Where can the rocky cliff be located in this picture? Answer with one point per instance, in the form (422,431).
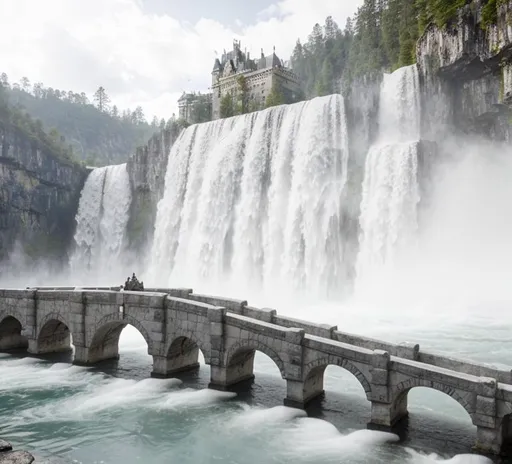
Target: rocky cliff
(39,195)
(147,169)
(467,73)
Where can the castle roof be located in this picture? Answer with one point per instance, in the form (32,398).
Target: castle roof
(217,66)
(269,61)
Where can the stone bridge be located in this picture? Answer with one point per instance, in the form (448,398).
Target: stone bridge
(177,323)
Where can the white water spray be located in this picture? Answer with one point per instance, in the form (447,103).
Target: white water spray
(256,200)
(102,217)
(390,189)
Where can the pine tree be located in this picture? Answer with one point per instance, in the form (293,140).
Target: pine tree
(102,99)
(226,106)
(275,97)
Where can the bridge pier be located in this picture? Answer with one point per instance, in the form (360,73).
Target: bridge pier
(225,377)
(489,440)
(165,367)
(299,394)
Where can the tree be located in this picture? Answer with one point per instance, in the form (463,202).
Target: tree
(138,115)
(38,90)
(4,80)
(102,99)
(154,122)
(83,99)
(162,124)
(227,106)
(243,95)
(25,84)
(115,112)
(275,97)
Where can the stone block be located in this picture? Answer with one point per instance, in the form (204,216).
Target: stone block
(482,420)
(264,314)
(77,297)
(486,406)
(216,329)
(408,351)
(379,376)
(380,393)
(487,387)
(380,359)
(295,336)
(216,314)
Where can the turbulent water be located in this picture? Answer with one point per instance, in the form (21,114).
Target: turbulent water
(102,217)
(391,191)
(254,208)
(257,199)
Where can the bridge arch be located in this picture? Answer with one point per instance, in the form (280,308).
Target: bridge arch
(179,339)
(313,374)
(242,353)
(11,328)
(403,388)
(104,342)
(54,334)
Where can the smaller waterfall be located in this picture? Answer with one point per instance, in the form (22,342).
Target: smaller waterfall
(390,189)
(103,214)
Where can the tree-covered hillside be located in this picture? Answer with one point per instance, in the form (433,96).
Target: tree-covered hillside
(17,119)
(381,36)
(98,132)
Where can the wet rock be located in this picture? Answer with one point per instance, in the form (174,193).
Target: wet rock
(16,457)
(5,446)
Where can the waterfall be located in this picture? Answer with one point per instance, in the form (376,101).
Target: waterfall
(255,201)
(391,193)
(102,217)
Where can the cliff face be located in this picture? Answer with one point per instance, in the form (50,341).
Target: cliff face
(147,169)
(467,65)
(39,196)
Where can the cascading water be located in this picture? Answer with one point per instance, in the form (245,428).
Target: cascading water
(256,200)
(102,217)
(390,189)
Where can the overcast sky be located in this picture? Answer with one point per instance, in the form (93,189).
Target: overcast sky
(147,52)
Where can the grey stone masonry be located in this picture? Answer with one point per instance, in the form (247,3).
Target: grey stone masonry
(178,323)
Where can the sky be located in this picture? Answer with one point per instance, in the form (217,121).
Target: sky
(147,52)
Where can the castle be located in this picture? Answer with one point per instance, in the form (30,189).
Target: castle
(260,74)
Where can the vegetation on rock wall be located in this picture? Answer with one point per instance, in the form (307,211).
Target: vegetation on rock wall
(99,134)
(381,36)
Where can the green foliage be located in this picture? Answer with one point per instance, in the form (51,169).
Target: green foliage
(444,10)
(490,12)
(275,97)
(15,118)
(227,106)
(381,37)
(94,133)
(242,106)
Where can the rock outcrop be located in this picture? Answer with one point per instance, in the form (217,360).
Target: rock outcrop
(147,169)
(8,456)
(467,73)
(39,194)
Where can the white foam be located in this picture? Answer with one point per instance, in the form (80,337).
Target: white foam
(189,398)
(420,458)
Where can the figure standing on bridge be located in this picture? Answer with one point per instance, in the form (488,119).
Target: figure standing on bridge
(133,284)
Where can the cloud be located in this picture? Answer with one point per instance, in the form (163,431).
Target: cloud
(140,58)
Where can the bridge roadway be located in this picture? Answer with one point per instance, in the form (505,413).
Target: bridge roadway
(177,323)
